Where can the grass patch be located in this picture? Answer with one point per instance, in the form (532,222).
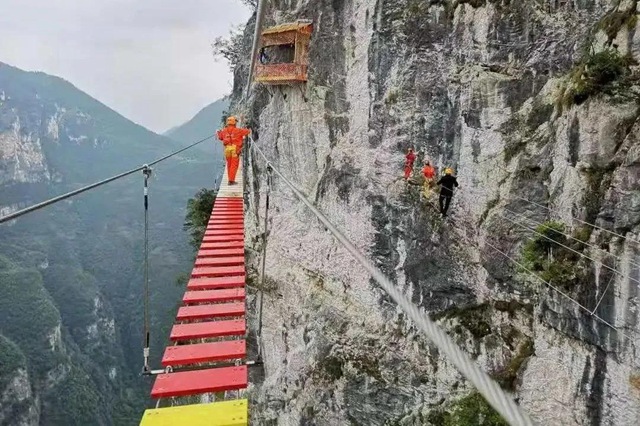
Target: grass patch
(472,410)
(606,72)
(598,180)
(392,97)
(614,21)
(548,254)
(474,319)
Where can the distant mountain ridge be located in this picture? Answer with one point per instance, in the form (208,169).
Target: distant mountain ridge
(203,124)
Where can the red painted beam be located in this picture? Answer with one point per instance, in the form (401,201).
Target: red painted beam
(225,221)
(216,283)
(220,261)
(228,209)
(234,227)
(196,312)
(220,253)
(223,232)
(214,296)
(222,245)
(200,381)
(217,271)
(204,352)
(204,330)
(222,238)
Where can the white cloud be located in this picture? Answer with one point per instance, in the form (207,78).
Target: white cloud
(150,60)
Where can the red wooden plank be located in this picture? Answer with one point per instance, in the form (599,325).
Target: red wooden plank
(221,253)
(228,209)
(226,217)
(238,203)
(220,261)
(217,271)
(203,330)
(208,296)
(225,221)
(232,199)
(222,245)
(233,227)
(204,352)
(218,232)
(223,238)
(200,381)
(215,283)
(195,312)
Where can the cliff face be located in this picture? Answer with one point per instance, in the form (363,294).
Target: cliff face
(499,91)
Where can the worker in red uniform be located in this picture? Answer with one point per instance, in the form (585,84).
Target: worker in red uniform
(410,158)
(232,138)
(429,173)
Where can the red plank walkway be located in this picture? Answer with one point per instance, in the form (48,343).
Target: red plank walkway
(210,325)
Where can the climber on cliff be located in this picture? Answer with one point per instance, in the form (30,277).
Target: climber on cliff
(446,182)
(232,138)
(429,173)
(410,158)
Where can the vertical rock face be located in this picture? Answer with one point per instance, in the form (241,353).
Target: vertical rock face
(481,86)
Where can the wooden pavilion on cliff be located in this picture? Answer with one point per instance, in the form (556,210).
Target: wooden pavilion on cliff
(284,57)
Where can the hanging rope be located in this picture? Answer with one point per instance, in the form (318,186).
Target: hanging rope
(146,171)
(70,194)
(556,289)
(264,259)
(604,265)
(260,11)
(492,392)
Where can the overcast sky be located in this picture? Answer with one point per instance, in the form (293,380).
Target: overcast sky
(150,60)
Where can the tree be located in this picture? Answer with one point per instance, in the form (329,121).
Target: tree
(229,48)
(198,213)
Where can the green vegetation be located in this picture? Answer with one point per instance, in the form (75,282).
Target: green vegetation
(605,72)
(11,359)
(472,410)
(74,401)
(198,213)
(74,292)
(331,367)
(552,262)
(490,205)
(598,181)
(474,319)
(29,328)
(613,22)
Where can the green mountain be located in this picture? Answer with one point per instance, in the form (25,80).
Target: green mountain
(71,280)
(203,124)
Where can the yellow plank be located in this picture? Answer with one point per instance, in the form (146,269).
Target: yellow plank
(294,26)
(226,413)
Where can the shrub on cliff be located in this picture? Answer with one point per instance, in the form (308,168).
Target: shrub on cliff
(603,72)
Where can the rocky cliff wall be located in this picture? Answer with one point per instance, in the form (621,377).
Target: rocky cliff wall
(498,90)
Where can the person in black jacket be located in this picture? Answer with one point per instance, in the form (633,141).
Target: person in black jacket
(446,182)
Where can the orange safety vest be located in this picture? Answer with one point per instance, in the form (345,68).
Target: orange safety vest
(428,172)
(232,135)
